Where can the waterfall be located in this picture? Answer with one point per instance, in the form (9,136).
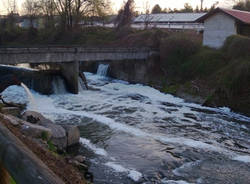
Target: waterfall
(58,85)
(30,96)
(81,85)
(103,69)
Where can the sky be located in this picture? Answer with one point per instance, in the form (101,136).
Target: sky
(140,4)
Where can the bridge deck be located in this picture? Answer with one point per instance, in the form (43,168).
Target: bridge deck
(60,55)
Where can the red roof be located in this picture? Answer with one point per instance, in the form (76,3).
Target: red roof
(242,16)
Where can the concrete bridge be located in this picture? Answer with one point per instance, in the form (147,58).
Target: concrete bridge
(63,55)
(68,58)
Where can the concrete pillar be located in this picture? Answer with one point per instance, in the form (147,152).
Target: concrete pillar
(70,73)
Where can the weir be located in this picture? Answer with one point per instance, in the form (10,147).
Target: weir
(68,58)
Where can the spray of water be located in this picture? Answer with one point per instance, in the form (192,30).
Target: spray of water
(30,96)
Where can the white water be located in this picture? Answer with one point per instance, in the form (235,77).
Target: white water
(132,124)
(102,69)
(58,85)
(32,102)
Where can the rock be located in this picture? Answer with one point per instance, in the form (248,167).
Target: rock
(59,138)
(15,111)
(73,134)
(35,131)
(80,158)
(78,164)
(33,117)
(10,119)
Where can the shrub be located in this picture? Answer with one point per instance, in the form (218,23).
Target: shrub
(175,51)
(237,46)
(236,76)
(206,62)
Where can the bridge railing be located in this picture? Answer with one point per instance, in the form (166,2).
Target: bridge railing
(72,50)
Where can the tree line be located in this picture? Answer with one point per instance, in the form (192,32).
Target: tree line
(68,15)
(64,13)
(238,4)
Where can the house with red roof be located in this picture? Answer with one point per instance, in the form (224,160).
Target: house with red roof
(222,23)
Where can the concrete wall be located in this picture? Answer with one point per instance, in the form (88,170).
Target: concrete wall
(70,73)
(217,28)
(21,163)
(147,72)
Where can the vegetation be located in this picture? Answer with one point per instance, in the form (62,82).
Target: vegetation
(156,9)
(242,5)
(125,15)
(45,136)
(224,73)
(51,147)
(12,181)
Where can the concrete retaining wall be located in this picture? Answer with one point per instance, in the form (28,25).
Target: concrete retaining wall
(21,163)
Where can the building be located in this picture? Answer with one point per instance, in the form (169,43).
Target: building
(26,23)
(222,23)
(170,21)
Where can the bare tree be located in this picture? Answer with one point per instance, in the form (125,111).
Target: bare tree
(72,11)
(11,6)
(147,16)
(125,15)
(31,9)
(48,10)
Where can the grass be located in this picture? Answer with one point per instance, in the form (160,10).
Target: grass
(51,146)
(12,181)
(172,89)
(44,136)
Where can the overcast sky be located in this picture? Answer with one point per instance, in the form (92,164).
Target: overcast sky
(140,4)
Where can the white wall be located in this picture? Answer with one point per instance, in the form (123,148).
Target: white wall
(217,28)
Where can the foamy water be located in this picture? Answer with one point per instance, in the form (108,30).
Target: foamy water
(136,133)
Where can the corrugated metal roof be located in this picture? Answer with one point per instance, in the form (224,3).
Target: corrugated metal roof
(243,16)
(169,17)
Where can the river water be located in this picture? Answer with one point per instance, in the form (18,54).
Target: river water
(132,133)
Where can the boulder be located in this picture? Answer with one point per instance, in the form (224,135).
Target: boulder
(33,117)
(73,134)
(35,131)
(59,138)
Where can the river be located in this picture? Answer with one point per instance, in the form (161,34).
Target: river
(132,133)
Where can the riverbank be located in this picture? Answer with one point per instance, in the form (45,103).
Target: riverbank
(36,138)
(220,77)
